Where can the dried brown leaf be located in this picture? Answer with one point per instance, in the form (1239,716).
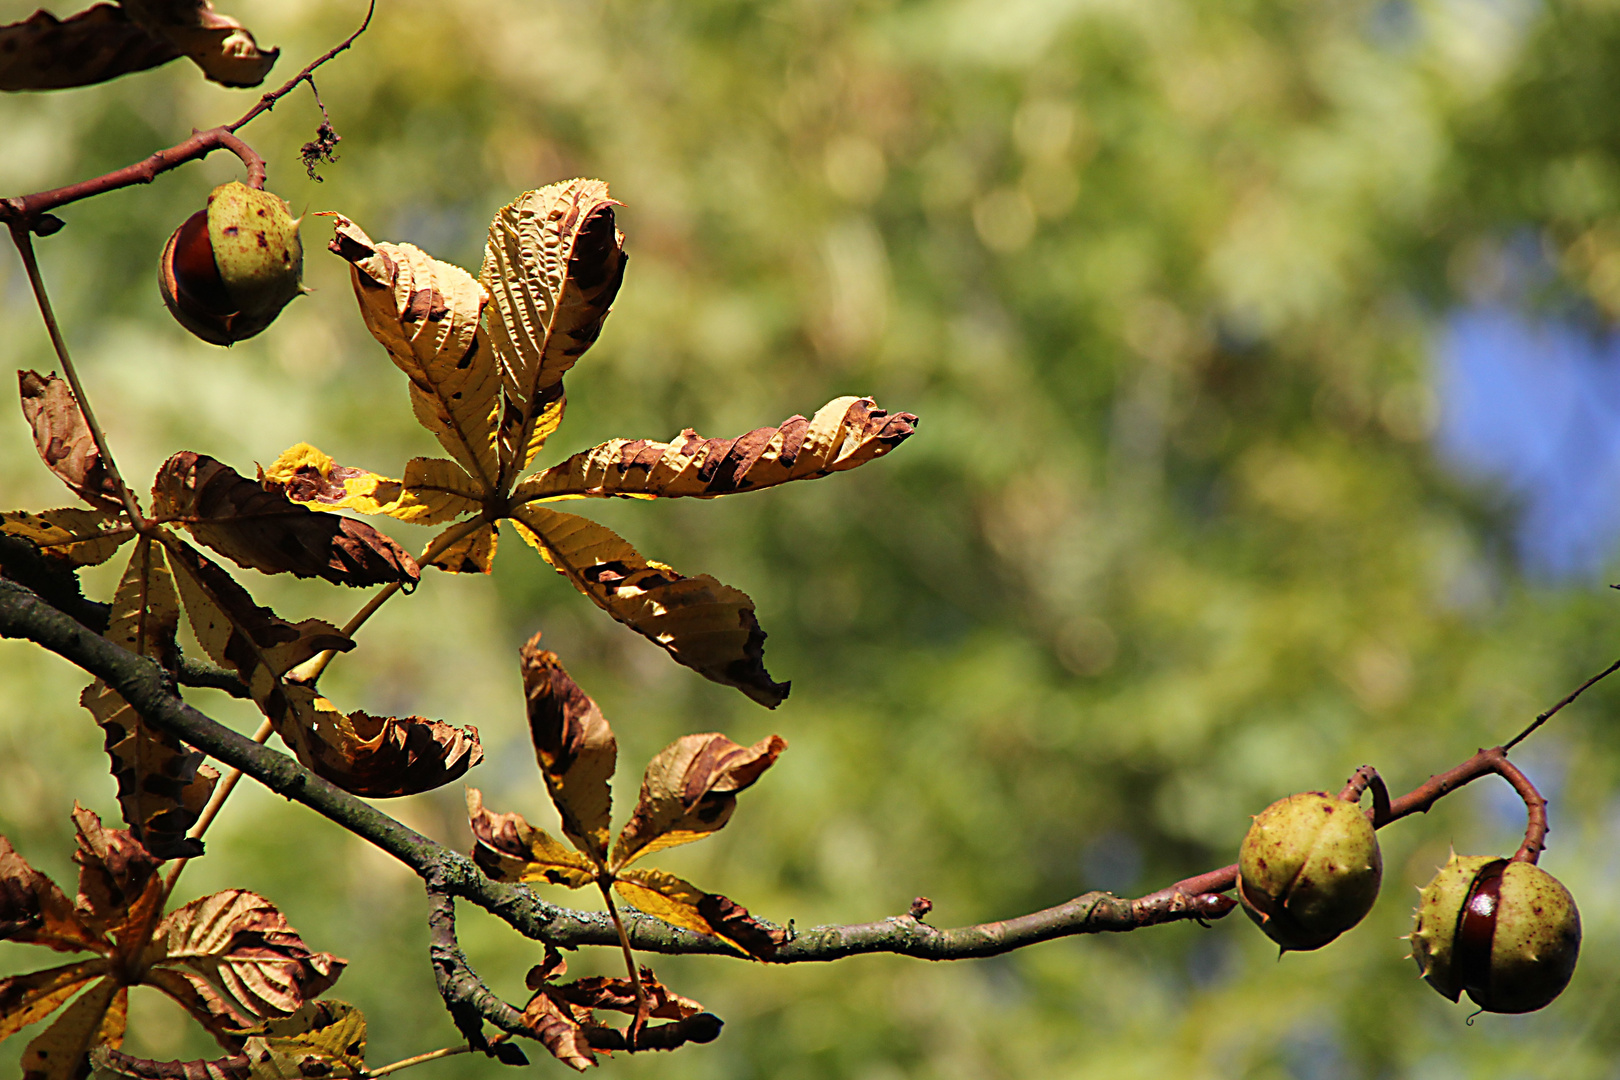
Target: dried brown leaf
(601,992)
(74,536)
(97,1018)
(844,434)
(690,790)
(434,490)
(119,883)
(427,313)
(162,785)
(239,943)
(554,1025)
(63,439)
(553,265)
(707,626)
(510,849)
(222,47)
(102,42)
(27,999)
(34,911)
(252,641)
(574,747)
(375,756)
(109,1064)
(265,530)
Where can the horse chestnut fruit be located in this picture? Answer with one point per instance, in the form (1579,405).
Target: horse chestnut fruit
(227,272)
(1506,932)
(1309,869)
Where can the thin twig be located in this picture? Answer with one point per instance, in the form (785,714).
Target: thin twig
(25,248)
(629,961)
(268,101)
(431,1055)
(1571,696)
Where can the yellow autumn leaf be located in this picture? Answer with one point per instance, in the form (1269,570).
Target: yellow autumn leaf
(510,849)
(690,790)
(77,537)
(427,313)
(434,490)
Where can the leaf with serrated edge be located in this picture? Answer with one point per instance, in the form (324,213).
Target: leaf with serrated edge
(844,434)
(63,439)
(34,911)
(473,553)
(690,790)
(265,530)
(510,849)
(375,756)
(707,626)
(76,537)
(27,999)
(554,1026)
(426,314)
(317,1040)
(240,943)
(574,747)
(119,883)
(434,490)
(553,265)
(250,640)
(97,1018)
(162,785)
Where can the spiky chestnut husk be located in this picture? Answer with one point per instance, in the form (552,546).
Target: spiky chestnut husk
(1309,869)
(227,272)
(1508,933)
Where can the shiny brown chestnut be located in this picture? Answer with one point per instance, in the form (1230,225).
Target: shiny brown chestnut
(229,269)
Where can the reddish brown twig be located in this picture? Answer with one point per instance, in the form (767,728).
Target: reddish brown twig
(1571,696)
(1362,779)
(27,210)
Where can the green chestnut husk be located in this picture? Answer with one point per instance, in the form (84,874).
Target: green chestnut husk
(1506,933)
(1309,869)
(229,269)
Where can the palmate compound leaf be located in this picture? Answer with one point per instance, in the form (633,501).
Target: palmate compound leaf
(73,536)
(62,437)
(162,785)
(427,313)
(265,530)
(553,264)
(322,1039)
(367,755)
(574,747)
(230,959)
(707,626)
(844,434)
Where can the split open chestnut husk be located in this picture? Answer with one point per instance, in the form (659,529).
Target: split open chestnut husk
(230,268)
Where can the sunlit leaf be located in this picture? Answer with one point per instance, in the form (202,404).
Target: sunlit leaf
(97,1018)
(553,264)
(27,999)
(434,490)
(162,785)
(240,944)
(76,537)
(703,624)
(574,747)
(63,439)
(472,553)
(426,314)
(845,433)
(510,849)
(267,531)
(690,790)
(554,1025)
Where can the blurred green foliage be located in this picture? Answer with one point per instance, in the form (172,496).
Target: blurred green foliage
(1160,277)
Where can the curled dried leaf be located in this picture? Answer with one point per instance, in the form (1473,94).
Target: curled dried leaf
(119,883)
(265,530)
(707,626)
(510,849)
(62,437)
(574,746)
(617,994)
(99,43)
(222,47)
(844,434)
(556,1027)
(34,911)
(690,790)
(375,756)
